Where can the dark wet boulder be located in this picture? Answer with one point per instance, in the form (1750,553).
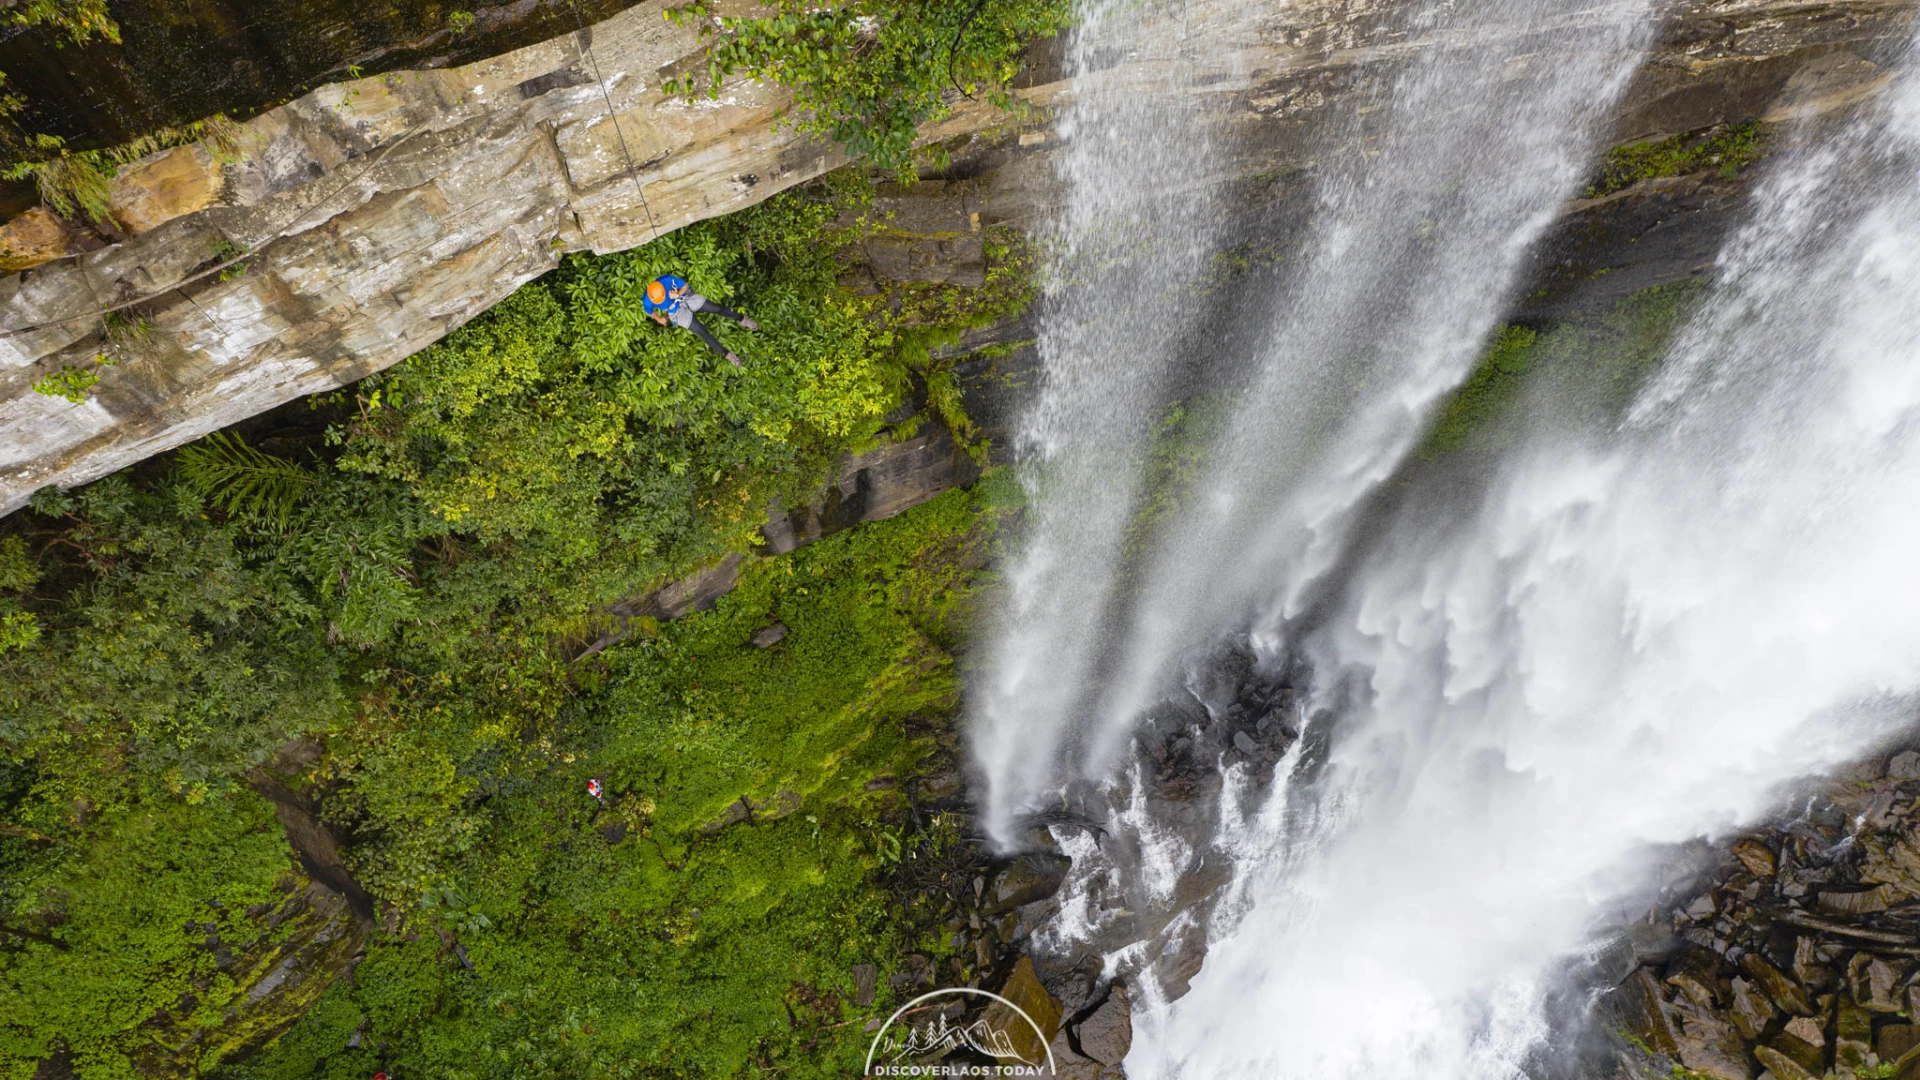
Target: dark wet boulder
(1784,992)
(1029,877)
(1782,1066)
(1107,1033)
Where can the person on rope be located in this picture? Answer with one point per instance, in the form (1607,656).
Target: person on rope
(671,299)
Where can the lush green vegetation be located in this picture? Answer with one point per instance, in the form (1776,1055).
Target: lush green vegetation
(406,594)
(1595,363)
(868,73)
(1730,149)
(78,184)
(1492,385)
(74,22)
(138,894)
(69,382)
(684,950)
(78,20)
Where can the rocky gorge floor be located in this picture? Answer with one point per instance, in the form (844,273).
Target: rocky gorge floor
(1787,952)
(1793,955)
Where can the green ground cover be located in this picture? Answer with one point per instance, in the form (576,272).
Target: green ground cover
(683,950)
(407,594)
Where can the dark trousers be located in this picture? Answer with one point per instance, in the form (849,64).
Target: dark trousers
(706,335)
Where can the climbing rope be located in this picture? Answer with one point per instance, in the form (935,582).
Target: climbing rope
(633,170)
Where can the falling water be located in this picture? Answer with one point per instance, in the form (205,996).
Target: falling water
(1138,216)
(1607,642)
(1628,640)
(1425,212)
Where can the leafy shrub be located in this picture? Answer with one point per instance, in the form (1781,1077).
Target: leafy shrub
(867,74)
(683,949)
(69,382)
(411,606)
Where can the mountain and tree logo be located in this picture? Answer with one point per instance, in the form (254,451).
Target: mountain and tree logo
(992,1045)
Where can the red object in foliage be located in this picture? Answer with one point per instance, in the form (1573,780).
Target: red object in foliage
(593,789)
(381,1075)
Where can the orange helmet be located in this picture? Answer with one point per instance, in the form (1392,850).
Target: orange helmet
(656,292)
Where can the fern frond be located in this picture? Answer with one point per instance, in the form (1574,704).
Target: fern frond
(243,481)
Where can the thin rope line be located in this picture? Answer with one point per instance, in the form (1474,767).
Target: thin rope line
(633,170)
(211,321)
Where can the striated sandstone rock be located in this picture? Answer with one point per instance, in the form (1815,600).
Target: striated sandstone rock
(376,216)
(38,236)
(157,189)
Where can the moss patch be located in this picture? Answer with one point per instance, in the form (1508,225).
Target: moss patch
(1730,149)
(1598,362)
(1495,381)
(1181,444)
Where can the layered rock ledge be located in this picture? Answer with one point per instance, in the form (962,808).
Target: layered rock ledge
(365,221)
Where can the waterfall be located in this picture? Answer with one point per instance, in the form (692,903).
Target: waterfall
(1607,639)
(1138,163)
(1425,211)
(1625,639)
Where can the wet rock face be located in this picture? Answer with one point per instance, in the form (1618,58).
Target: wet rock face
(1794,953)
(1107,1032)
(181,60)
(1146,874)
(1028,878)
(1238,716)
(1037,1009)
